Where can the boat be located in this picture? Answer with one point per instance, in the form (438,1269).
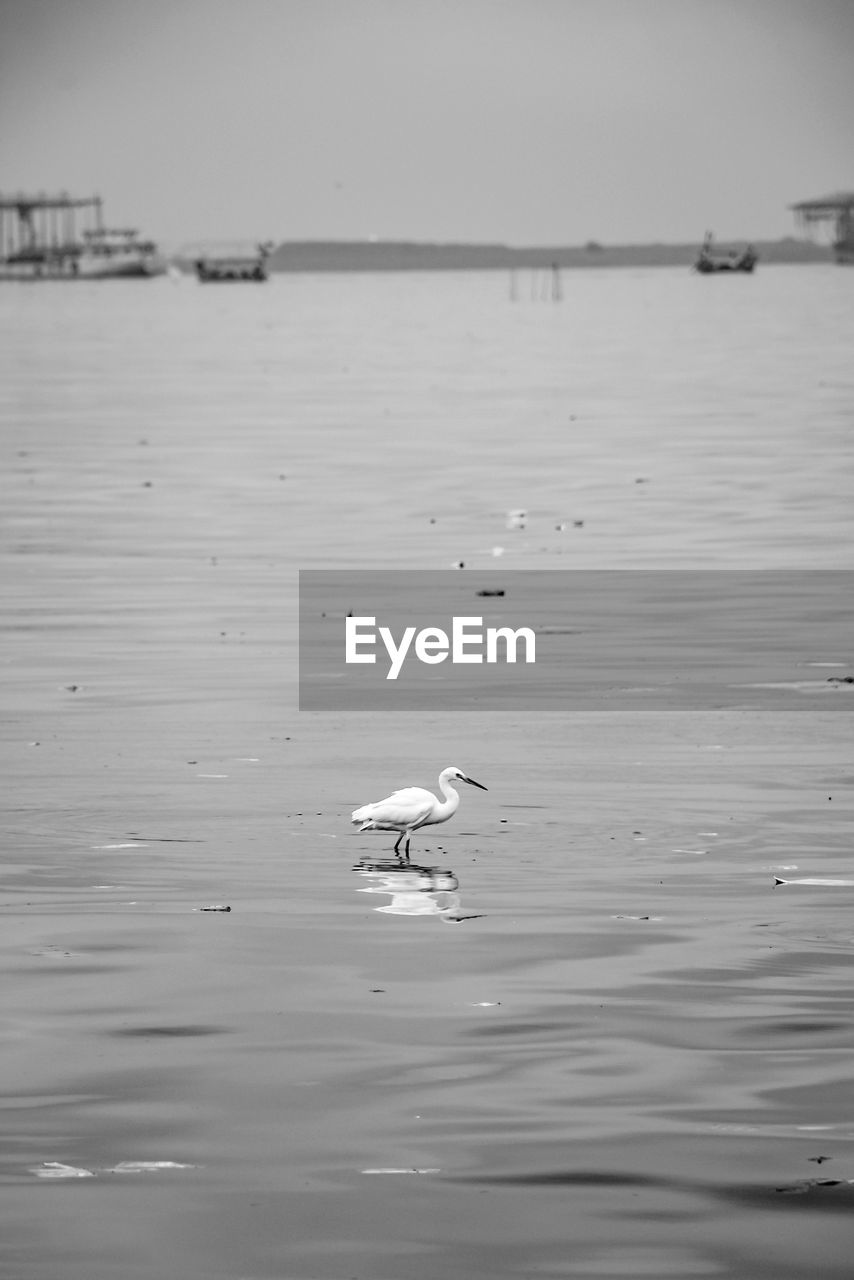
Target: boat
(40,240)
(118,253)
(837,211)
(709,261)
(219,268)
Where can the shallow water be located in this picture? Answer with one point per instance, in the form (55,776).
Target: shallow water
(583,1034)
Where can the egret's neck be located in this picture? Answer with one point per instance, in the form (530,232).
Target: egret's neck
(452,797)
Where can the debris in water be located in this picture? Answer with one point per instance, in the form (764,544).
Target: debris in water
(811,880)
(516,518)
(813,1184)
(489,592)
(145,1166)
(216,907)
(54,1169)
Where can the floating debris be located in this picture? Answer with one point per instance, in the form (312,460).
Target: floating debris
(216,907)
(489,592)
(164,839)
(54,1169)
(516,518)
(145,1166)
(813,1184)
(811,880)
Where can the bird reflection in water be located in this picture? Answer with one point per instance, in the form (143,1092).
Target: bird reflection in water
(415,890)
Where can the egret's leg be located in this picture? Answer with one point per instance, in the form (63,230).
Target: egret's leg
(408,838)
(397,842)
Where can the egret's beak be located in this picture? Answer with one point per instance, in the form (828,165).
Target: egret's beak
(472,783)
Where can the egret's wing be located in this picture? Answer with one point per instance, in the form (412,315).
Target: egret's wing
(406,808)
(366,812)
(410,795)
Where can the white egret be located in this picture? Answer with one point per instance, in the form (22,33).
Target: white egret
(413,807)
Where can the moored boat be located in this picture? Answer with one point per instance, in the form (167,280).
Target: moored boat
(113,254)
(709,261)
(220,268)
(39,240)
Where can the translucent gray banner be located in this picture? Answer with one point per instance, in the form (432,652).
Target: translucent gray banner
(575,640)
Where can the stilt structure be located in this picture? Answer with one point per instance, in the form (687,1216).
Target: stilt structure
(835,211)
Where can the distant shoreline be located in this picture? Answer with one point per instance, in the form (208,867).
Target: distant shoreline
(368,255)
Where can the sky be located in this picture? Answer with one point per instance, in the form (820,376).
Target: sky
(528,122)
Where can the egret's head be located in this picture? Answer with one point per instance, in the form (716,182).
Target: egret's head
(463,777)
